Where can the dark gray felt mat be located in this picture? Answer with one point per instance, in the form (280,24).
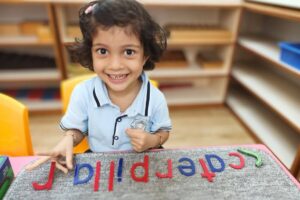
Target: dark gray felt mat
(267,182)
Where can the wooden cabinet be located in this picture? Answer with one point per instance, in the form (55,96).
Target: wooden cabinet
(204,32)
(30,66)
(265,93)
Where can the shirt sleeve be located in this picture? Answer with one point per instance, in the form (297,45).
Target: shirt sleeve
(76,116)
(160,117)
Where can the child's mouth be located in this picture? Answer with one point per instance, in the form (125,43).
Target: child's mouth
(117,77)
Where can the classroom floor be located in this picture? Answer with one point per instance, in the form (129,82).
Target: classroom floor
(208,126)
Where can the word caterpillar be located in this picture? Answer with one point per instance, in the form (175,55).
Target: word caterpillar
(186,167)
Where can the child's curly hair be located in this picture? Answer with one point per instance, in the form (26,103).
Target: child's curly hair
(122,13)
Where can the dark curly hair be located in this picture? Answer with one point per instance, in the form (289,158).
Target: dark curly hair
(122,13)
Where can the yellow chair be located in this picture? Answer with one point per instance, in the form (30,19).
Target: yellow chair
(15,137)
(66,88)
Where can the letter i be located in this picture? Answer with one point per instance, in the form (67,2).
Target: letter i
(111,176)
(97,176)
(120,168)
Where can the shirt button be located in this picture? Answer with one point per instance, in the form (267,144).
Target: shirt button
(116,137)
(119,119)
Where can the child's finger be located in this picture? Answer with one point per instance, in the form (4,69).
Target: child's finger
(61,168)
(132,133)
(69,158)
(48,153)
(37,163)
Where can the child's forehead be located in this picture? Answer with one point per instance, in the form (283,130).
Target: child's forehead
(117,30)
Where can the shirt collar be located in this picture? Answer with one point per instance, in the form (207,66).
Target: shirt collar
(137,107)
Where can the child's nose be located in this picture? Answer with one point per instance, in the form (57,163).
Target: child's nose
(116,63)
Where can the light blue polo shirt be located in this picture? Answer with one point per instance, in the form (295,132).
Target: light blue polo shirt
(91,111)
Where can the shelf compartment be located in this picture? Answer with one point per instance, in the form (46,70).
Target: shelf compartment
(276,92)
(29,75)
(267,49)
(183,34)
(38,99)
(273,132)
(202,91)
(189,72)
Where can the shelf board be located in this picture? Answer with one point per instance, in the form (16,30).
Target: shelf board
(192,96)
(281,96)
(185,72)
(29,75)
(267,49)
(281,12)
(199,41)
(24,41)
(292,4)
(279,137)
(181,42)
(170,3)
(42,105)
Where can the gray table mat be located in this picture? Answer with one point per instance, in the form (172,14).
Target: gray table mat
(267,182)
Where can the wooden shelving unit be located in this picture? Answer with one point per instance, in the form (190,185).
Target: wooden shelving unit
(269,129)
(28,29)
(204,13)
(265,95)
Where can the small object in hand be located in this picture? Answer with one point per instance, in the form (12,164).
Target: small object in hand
(256,155)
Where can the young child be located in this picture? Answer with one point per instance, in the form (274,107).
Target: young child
(118,109)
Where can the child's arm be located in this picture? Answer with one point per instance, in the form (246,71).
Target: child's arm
(62,153)
(142,141)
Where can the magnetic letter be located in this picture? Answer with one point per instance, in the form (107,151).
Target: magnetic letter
(191,167)
(97,176)
(206,173)
(144,165)
(111,176)
(120,168)
(242,161)
(78,167)
(212,168)
(167,175)
(48,185)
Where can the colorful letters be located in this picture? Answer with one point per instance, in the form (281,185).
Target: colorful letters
(186,167)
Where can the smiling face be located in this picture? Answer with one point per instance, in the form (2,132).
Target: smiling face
(118,59)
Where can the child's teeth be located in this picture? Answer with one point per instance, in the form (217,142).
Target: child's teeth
(117,76)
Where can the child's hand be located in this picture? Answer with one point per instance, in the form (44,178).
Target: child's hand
(142,140)
(62,154)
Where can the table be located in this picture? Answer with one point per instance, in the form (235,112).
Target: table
(207,172)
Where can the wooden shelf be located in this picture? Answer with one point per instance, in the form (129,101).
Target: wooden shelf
(279,94)
(23,41)
(201,91)
(275,11)
(195,42)
(46,106)
(192,96)
(29,75)
(291,4)
(279,137)
(187,72)
(165,3)
(267,49)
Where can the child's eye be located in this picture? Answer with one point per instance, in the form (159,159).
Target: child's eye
(102,51)
(129,52)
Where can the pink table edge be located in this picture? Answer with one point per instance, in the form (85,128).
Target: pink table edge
(18,163)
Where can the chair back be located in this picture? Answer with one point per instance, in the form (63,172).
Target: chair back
(15,139)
